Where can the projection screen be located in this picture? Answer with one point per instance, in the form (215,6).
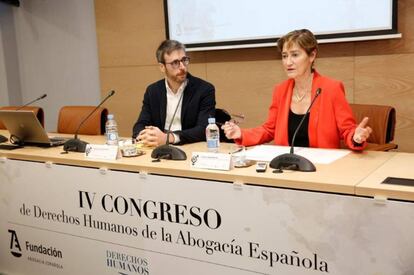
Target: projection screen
(218,24)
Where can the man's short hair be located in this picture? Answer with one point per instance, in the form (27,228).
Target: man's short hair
(167,47)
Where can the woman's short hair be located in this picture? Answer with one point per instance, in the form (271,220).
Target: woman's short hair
(167,47)
(303,38)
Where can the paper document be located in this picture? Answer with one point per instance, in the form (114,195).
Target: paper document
(265,152)
(315,155)
(323,156)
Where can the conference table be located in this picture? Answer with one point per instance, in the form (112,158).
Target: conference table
(65,213)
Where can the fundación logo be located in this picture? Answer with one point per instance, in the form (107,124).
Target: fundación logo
(16,251)
(15,248)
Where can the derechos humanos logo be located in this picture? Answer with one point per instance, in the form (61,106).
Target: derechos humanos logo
(127,263)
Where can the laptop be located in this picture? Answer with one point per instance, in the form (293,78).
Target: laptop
(25,129)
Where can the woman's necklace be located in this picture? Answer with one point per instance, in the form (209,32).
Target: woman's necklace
(297,96)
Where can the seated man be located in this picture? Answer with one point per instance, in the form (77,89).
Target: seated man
(180,101)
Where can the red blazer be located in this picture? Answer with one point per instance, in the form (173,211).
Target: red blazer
(330,118)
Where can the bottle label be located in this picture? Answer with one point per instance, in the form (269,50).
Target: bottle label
(213,143)
(112,136)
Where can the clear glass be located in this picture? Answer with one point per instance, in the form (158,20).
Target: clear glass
(130,148)
(238,155)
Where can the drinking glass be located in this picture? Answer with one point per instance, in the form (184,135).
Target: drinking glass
(238,155)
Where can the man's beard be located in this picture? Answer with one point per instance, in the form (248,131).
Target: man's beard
(179,77)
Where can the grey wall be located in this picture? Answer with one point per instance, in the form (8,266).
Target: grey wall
(10,91)
(49,46)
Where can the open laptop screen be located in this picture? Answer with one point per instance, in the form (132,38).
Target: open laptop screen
(25,128)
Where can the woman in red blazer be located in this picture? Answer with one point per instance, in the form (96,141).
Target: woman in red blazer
(330,119)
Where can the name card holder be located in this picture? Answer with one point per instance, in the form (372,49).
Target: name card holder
(215,161)
(99,151)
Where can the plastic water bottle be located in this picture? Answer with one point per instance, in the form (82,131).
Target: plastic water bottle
(111,130)
(212,135)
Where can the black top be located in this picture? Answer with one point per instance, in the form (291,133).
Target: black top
(197,106)
(302,137)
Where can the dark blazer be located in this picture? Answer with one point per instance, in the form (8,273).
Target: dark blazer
(197,106)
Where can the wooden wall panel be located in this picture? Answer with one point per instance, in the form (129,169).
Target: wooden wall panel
(388,80)
(339,68)
(129,31)
(238,91)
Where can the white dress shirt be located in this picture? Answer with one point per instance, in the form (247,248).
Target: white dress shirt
(172,101)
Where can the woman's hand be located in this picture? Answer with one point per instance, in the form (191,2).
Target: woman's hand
(231,130)
(362,132)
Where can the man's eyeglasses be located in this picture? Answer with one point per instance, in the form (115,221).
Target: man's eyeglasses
(176,63)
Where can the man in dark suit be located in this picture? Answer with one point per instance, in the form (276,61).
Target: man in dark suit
(191,99)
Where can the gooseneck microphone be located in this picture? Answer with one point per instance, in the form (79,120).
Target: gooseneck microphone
(3,138)
(291,161)
(167,151)
(75,144)
(37,99)
(318,92)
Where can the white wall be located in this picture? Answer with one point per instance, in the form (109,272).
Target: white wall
(55,53)
(10,92)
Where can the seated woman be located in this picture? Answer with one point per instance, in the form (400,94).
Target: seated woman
(330,119)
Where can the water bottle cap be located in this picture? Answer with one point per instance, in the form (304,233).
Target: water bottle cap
(211,120)
(110,116)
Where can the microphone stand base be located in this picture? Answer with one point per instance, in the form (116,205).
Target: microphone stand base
(292,162)
(75,145)
(3,139)
(168,152)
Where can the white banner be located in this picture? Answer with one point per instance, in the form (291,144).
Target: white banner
(69,220)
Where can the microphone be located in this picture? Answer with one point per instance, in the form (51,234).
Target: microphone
(37,99)
(3,138)
(291,161)
(75,144)
(167,151)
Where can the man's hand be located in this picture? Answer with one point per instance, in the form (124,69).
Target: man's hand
(152,136)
